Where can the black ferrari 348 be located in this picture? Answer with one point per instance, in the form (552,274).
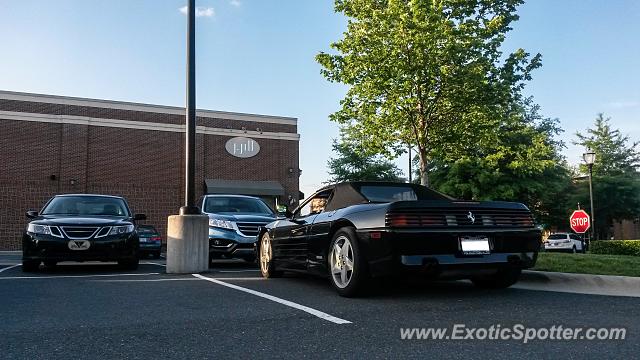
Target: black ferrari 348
(356,231)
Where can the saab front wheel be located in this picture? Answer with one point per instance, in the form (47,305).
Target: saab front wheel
(30,265)
(129,264)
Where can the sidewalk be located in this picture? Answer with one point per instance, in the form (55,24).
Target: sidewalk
(607,285)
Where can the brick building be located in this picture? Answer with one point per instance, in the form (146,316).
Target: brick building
(51,145)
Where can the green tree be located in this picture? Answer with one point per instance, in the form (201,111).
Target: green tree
(522,162)
(353,164)
(425,73)
(614,154)
(616,180)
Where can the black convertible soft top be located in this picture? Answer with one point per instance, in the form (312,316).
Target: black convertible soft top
(348,193)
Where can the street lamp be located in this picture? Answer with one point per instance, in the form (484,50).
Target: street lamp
(589,158)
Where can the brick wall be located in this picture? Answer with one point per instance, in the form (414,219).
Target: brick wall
(39,160)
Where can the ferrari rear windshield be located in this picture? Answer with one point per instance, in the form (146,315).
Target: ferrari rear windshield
(375,193)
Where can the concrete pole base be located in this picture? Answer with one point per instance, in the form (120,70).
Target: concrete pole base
(187,244)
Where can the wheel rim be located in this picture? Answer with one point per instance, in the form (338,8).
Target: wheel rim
(265,253)
(341,261)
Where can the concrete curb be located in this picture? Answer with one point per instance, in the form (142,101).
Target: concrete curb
(607,285)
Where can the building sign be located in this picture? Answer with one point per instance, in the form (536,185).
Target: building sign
(242,147)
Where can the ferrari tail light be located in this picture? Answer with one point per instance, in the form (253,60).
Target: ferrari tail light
(415,220)
(398,220)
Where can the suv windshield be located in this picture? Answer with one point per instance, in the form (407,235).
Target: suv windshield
(86,205)
(557,237)
(232,204)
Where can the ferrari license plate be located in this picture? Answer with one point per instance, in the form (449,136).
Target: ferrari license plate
(475,245)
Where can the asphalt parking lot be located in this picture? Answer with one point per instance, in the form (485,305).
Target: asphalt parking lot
(91,309)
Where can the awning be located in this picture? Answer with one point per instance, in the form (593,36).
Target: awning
(244,187)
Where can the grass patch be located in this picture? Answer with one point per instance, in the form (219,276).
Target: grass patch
(589,264)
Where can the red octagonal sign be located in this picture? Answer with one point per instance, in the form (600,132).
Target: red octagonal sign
(580,221)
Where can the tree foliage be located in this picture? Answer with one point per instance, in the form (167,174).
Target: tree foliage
(522,162)
(354,164)
(616,180)
(613,152)
(426,73)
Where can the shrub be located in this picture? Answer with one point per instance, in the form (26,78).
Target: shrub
(616,247)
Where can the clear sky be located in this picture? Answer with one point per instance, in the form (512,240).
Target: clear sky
(257,56)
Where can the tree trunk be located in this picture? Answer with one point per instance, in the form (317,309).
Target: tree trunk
(424,174)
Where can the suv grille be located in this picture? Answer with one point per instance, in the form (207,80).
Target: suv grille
(79,232)
(250,228)
(459,218)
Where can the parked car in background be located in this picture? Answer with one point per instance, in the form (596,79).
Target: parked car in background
(81,227)
(150,241)
(234,223)
(353,231)
(566,242)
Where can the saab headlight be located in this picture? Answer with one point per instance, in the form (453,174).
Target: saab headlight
(119,230)
(223,224)
(44,230)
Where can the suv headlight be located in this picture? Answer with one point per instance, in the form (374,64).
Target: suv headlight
(224,224)
(44,230)
(119,230)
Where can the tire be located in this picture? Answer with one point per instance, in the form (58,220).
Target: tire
(156,255)
(267,265)
(129,264)
(30,265)
(50,264)
(574,249)
(500,280)
(348,271)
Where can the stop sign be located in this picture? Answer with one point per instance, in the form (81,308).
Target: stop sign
(580,221)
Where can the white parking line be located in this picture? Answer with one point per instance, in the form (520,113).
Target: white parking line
(148,280)
(10,267)
(153,263)
(73,276)
(183,279)
(314,312)
(236,271)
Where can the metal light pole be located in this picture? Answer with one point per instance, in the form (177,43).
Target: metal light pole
(589,158)
(187,233)
(190,135)
(410,164)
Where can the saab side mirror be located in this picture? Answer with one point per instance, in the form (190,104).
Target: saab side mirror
(139,217)
(32,214)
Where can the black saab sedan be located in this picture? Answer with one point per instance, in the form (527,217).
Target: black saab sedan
(81,227)
(355,231)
